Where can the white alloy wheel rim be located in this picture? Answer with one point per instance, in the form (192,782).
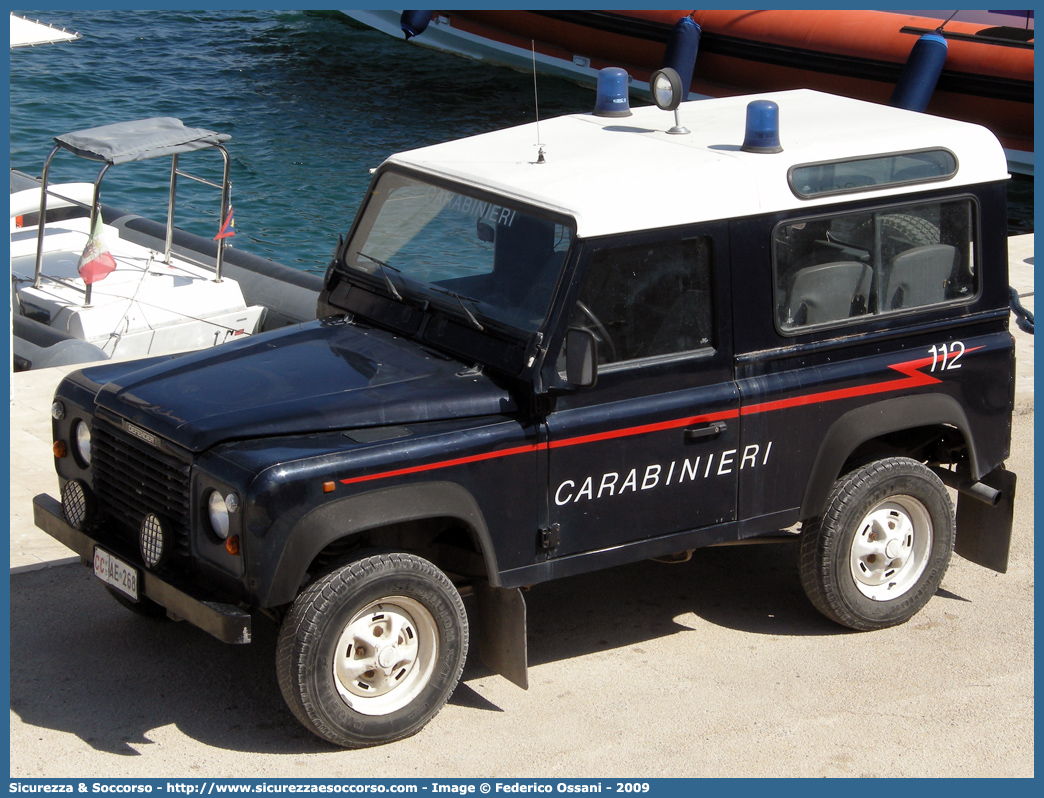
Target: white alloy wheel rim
(891,547)
(385,655)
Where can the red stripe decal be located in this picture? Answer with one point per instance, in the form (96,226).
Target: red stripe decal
(911,368)
(914,378)
(475,458)
(626,432)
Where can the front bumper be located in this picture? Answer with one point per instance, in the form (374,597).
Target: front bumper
(226,622)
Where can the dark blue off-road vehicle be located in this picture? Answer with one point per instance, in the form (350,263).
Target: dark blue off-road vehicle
(535,361)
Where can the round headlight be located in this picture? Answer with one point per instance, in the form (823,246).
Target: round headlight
(217,510)
(81,434)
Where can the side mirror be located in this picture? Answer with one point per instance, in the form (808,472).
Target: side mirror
(581,358)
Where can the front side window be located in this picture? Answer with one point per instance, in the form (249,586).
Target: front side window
(846,267)
(450,246)
(647,300)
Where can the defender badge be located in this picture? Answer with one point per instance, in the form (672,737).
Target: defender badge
(140,434)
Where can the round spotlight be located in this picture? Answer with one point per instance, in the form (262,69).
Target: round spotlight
(666,88)
(57,411)
(78,505)
(153,540)
(81,434)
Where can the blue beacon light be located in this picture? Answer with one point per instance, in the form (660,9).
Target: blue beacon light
(611,97)
(762,133)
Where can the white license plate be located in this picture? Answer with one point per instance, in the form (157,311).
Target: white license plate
(114,571)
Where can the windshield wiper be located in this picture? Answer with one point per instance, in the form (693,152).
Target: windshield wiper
(460,301)
(387,280)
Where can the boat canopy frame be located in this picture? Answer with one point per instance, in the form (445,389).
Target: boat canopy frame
(127,142)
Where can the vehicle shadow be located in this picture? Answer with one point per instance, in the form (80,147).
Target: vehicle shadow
(82,664)
(753,589)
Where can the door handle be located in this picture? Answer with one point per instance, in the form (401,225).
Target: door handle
(694,434)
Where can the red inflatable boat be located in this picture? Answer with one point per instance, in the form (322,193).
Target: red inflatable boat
(987,75)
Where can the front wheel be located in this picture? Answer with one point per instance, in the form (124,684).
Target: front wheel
(369,653)
(879,551)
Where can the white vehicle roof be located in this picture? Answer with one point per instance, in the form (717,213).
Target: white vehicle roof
(617,175)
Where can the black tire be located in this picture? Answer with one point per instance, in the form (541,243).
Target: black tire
(899,232)
(880,549)
(916,231)
(329,651)
(147,608)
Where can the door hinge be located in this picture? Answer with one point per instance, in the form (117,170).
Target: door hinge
(550,538)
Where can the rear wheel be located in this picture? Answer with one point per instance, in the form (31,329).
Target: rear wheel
(879,551)
(369,653)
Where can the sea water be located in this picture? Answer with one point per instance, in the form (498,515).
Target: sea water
(312,101)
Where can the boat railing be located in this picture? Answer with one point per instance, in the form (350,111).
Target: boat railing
(225,188)
(138,141)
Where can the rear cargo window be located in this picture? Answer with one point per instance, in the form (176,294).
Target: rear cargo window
(846,267)
(861,174)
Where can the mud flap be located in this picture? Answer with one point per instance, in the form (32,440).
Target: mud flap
(984,531)
(502,632)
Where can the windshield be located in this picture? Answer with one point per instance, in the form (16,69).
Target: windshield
(482,258)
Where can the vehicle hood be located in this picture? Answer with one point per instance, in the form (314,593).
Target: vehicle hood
(314,377)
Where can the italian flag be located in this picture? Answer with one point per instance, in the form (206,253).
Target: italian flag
(96,262)
(228,228)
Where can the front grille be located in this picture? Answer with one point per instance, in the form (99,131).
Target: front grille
(133,478)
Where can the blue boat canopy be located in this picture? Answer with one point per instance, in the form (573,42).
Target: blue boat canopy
(139,140)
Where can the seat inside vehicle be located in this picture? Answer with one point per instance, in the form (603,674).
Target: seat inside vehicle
(919,276)
(828,292)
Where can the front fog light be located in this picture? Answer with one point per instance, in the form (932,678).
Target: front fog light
(82,441)
(78,504)
(218,509)
(153,540)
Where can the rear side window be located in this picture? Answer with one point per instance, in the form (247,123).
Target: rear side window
(847,267)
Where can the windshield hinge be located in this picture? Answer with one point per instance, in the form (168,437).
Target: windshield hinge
(541,405)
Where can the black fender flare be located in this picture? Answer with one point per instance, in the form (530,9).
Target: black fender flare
(865,423)
(359,513)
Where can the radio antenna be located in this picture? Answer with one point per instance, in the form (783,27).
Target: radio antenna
(536,104)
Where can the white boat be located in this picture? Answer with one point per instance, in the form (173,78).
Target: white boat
(30,33)
(158,297)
